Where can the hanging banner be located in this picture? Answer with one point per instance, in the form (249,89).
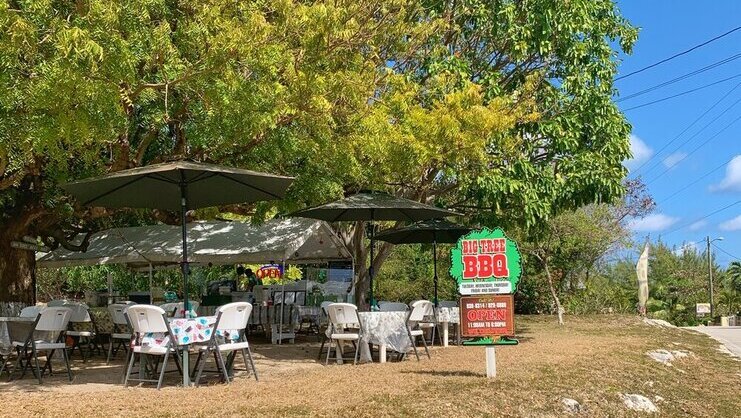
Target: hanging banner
(487,316)
(486,262)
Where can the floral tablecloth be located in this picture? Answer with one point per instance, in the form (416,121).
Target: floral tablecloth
(186,330)
(449,315)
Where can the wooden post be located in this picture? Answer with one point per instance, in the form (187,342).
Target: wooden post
(491,362)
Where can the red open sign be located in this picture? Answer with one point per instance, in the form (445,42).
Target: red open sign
(487,316)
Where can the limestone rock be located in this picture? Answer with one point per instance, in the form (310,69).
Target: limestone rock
(571,405)
(638,403)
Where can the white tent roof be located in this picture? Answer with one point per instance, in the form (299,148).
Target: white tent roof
(294,240)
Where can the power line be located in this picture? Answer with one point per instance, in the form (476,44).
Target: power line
(678,54)
(704,217)
(680,78)
(666,199)
(698,147)
(689,127)
(725,252)
(682,93)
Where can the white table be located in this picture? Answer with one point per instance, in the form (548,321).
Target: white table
(387,330)
(446,316)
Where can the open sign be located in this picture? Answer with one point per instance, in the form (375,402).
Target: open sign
(270,271)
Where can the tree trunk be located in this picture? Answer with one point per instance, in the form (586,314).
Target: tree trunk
(17,273)
(559,308)
(360,251)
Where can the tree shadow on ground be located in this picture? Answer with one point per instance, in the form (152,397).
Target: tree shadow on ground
(444,373)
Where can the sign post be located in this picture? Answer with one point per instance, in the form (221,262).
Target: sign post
(486,264)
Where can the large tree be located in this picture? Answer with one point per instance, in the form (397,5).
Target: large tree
(501,105)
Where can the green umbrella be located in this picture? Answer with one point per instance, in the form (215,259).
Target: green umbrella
(431,231)
(374,206)
(179,186)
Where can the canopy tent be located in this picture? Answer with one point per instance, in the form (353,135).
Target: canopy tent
(292,240)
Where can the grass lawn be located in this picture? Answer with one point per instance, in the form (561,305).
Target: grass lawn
(591,359)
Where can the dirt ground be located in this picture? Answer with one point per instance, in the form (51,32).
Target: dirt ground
(591,359)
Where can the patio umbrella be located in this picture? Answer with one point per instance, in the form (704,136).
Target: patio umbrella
(179,186)
(431,231)
(374,206)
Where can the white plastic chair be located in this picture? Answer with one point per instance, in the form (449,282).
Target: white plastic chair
(81,315)
(420,310)
(145,319)
(429,321)
(344,325)
(231,322)
(323,325)
(121,333)
(53,322)
(392,307)
(30,312)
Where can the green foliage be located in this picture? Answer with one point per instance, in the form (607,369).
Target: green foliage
(407,275)
(502,109)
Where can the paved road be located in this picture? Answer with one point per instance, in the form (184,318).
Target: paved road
(728,336)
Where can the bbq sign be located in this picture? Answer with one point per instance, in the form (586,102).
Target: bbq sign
(486,262)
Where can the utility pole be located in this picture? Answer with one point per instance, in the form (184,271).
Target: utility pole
(710,277)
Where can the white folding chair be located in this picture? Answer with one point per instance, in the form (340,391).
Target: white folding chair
(121,333)
(52,323)
(30,312)
(344,325)
(323,325)
(87,332)
(146,319)
(420,310)
(429,322)
(228,336)
(392,307)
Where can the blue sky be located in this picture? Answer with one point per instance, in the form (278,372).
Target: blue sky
(669,27)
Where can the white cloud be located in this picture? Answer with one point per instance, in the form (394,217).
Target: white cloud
(698,225)
(674,159)
(732,180)
(641,153)
(731,224)
(687,247)
(652,223)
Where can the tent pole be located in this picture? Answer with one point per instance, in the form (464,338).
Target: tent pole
(151,296)
(434,262)
(370,267)
(282,302)
(184,265)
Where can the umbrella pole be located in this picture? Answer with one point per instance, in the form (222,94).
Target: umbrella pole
(434,263)
(184,267)
(370,267)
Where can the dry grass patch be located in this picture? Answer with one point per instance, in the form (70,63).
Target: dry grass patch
(590,359)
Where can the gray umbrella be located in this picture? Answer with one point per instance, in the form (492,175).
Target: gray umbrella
(374,206)
(432,231)
(179,186)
